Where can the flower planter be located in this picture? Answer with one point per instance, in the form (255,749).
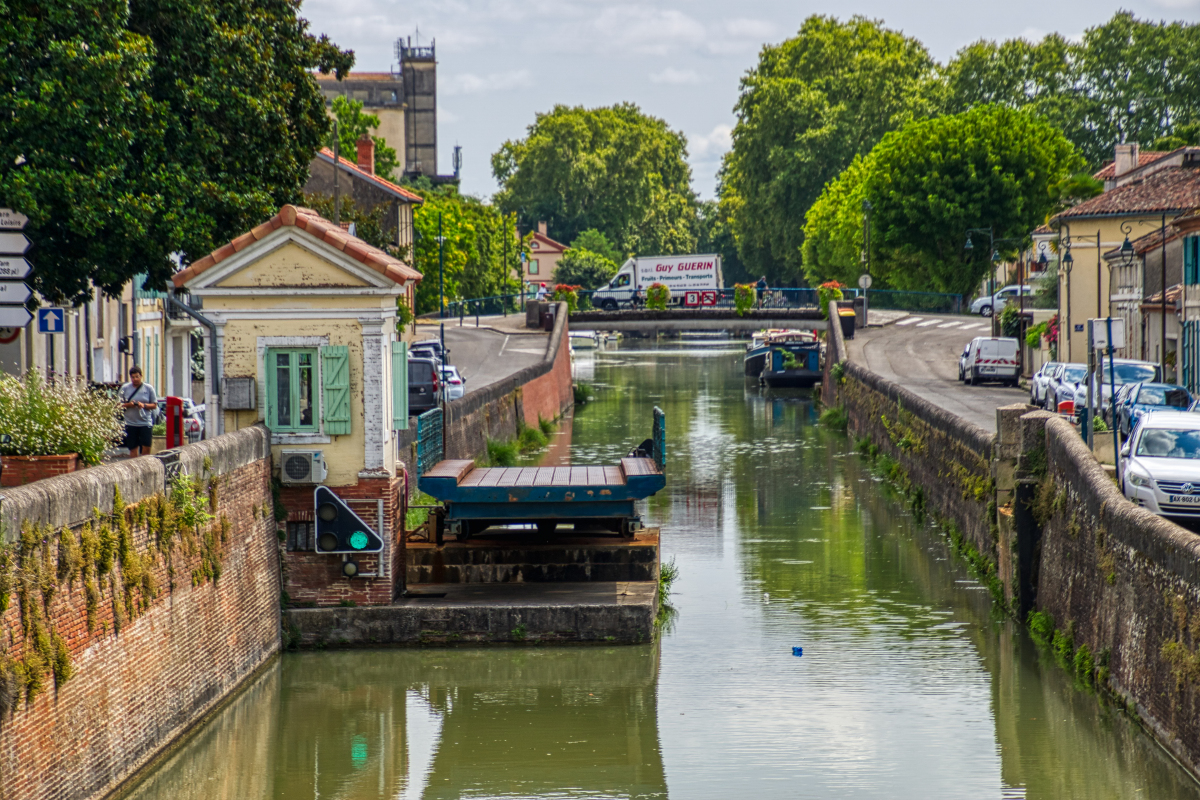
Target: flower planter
(20,470)
(158,444)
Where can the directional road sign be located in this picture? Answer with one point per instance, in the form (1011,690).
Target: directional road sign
(13,293)
(51,320)
(12,220)
(14,268)
(14,317)
(13,243)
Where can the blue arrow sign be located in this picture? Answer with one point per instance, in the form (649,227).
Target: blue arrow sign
(51,320)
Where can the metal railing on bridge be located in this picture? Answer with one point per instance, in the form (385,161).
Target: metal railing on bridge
(772,298)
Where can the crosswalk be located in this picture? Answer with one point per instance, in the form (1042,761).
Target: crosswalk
(922,322)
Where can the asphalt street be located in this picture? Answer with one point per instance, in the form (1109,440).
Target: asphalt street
(920,352)
(483,355)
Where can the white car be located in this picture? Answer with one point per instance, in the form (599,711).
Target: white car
(1160,465)
(1125,370)
(455,383)
(1040,382)
(986,305)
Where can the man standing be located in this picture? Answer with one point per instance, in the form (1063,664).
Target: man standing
(761,288)
(140,402)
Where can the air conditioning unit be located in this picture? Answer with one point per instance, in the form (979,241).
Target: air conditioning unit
(302,466)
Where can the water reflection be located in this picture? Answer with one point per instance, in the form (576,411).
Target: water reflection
(909,686)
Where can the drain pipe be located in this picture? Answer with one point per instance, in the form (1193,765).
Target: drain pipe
(215,367)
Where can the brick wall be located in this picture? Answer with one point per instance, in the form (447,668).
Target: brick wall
(145,662)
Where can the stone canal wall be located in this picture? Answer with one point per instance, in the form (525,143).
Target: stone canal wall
(123,626)
(1114,590)
(1119,585)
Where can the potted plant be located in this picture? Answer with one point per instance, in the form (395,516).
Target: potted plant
(53,427)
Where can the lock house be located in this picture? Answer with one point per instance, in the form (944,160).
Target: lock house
(304,332)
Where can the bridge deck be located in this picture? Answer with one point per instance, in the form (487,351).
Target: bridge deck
(465,474)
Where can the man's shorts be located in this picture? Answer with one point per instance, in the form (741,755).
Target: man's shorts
(138,436)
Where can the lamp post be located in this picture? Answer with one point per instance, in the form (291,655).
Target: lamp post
(866,254)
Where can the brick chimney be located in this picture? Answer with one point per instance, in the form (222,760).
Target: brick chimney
(366,154)
(1126,159)
(542,228)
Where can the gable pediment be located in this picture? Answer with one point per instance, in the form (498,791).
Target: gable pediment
(290,267)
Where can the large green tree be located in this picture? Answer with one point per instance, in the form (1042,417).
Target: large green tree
(353,124)
(930,182)
(805,111)
(131,132)
(580,267)
(613,169)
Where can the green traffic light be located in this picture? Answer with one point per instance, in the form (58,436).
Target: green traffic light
(359,540)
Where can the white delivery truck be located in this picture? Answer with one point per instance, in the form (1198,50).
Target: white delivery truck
(680,274)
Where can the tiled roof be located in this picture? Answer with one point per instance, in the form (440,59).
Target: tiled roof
(1169,190)
(407,196)
(1109,170)
(1155,300)
(1041,229)
(546,240)
(1147,242)
(315,225)
(359,76)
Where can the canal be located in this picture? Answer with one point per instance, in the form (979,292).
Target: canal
(909,686)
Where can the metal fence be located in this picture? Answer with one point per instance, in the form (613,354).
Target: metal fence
(430,446)
(929,302)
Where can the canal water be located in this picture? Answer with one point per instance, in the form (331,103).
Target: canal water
(909,685)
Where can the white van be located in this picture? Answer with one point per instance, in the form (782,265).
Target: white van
(987,358)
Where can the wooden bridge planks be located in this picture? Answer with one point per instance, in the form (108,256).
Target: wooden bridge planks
(467,475)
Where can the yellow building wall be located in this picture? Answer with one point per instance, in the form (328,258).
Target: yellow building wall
(1077,292)
(300,267)
(344,455)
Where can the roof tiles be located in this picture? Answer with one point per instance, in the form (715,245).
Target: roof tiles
(1170,190)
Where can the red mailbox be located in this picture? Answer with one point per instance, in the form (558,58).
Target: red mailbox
(174,422)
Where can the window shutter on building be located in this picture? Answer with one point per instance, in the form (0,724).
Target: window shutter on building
(1191,260)
(335,386)
(399,386)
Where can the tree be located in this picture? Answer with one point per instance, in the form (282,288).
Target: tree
(614,169)
(810,105)
(716,236)
(131,132)
(927,184)
(598,243)
(353,124)
(579,267)
(370,225)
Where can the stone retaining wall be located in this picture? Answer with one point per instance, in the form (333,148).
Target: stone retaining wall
(148,623)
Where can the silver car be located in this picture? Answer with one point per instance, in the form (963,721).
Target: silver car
(988,304)
(1063,383)
(1040,382)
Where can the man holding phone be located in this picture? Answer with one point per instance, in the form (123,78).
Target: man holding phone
(140,402)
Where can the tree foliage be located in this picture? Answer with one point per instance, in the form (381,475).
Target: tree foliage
(598,243)
(614,169)
(805,111)
(473,252)
(353,124)
(129,132)
(927,184)
(580,267)
(370,225)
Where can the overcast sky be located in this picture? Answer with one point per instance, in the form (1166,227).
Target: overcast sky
(500,62)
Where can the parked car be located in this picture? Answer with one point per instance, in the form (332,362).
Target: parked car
(436,346)
(425,352)
(1136,400)
(1040,381)
(1160,464)
(454,383)
(1125,370)
(423,385)
(1063,383)
(987,358)
(193,417)
(986,305)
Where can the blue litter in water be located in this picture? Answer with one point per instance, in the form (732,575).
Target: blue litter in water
(797,651)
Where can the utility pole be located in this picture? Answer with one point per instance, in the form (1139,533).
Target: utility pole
(441,276)
(337,198)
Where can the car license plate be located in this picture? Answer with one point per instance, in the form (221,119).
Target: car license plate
(987,369)
(1193,499)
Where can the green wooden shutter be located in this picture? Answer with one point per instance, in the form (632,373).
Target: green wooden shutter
(1191,260)
(399,386)
(335,386)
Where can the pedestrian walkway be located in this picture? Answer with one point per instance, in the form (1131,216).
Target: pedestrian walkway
(922,322)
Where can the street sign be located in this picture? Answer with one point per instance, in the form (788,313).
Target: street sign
(13,243)
(691,299)
(13,293)
(13,268)
(864,281)
(708,297)
(12,220)
(1099,331)
(14,317)
(52,320)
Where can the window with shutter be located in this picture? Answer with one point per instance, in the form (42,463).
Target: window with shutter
(335,386)
(291,385)
(399,386)
(1191,260)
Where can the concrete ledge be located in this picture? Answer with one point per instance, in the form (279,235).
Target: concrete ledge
(497,613)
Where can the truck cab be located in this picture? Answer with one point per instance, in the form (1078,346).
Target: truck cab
(618,291)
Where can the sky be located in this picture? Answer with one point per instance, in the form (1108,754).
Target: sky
(501,62)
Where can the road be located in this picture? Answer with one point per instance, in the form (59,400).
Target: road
(484,355)
(920,352)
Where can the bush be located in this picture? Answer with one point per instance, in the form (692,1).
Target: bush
(55,419)
(582,266)
(530,439)
(743,298)
(546,425)
(569,295)
(501,454)
(1010,321)
(828,292)
(584,393)
(657,296)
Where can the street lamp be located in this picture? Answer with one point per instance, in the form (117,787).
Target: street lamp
(992,242)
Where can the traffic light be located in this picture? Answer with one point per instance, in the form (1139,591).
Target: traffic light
(340,530)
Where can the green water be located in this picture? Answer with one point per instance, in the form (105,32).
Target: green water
(909,685)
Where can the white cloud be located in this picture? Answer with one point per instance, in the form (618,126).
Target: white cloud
(678,77)
(709,146)
(645,30)
(469,83)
